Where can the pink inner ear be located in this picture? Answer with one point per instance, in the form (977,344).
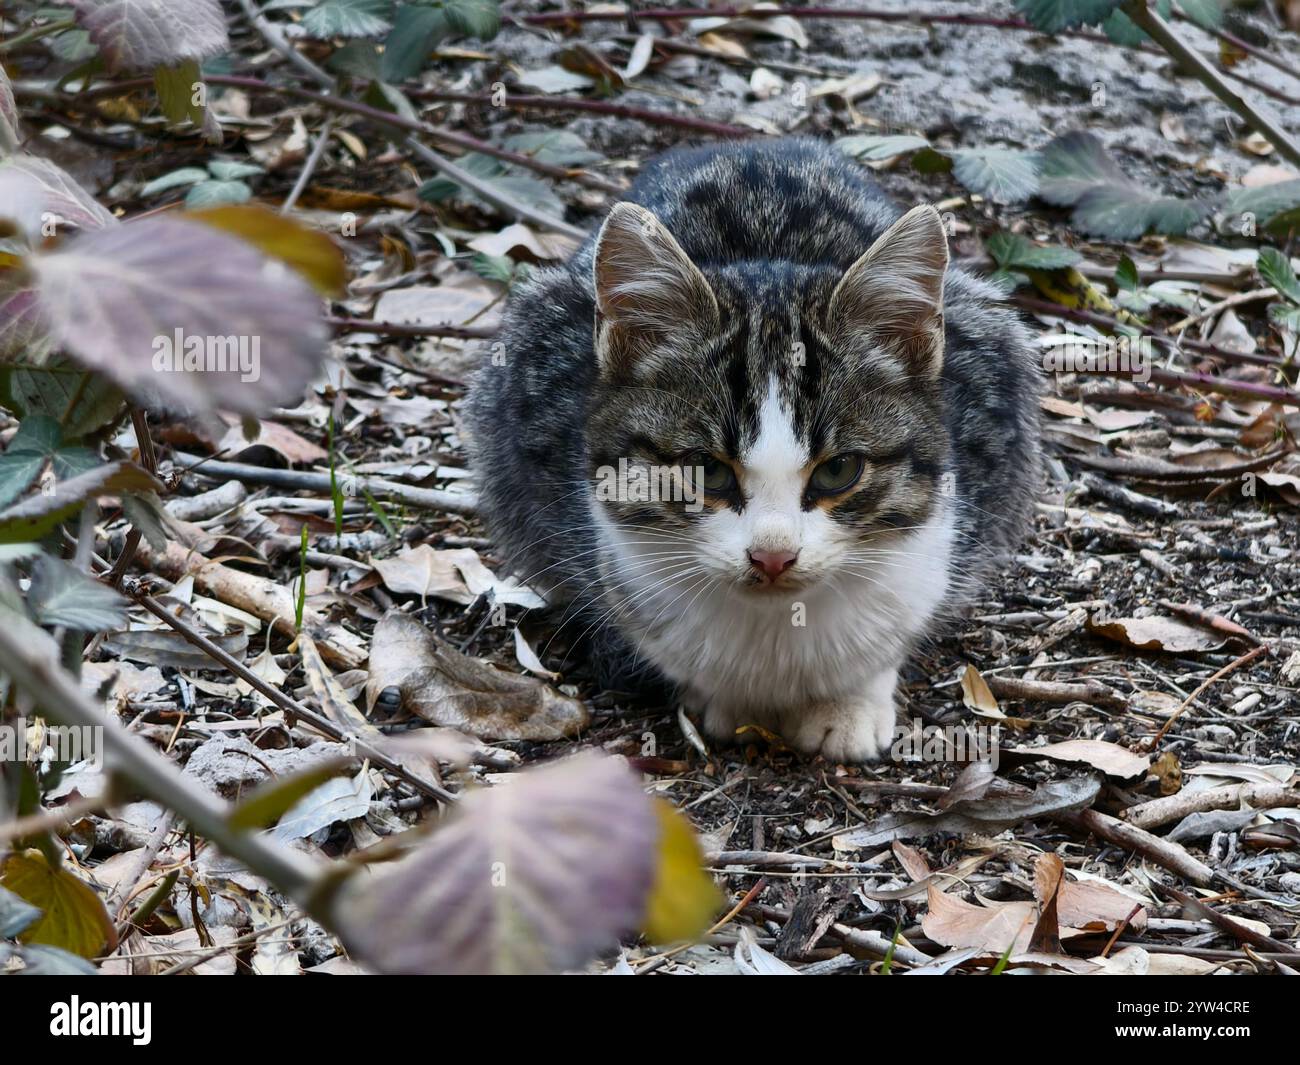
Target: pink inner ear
(893,295)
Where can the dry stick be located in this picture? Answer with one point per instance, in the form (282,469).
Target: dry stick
(126,886)
(875,944)
(30,657)
(1162,852)
(265,599)
(504,201)
(1214,309)
(309,167)
(286,703)
(1057,693)
(403,329)
(1235,664)
(1162,811)
(1104,321)
(390,491)
(149,460)
(1243,933)
(1158,29)
(1241,45)
(599,107)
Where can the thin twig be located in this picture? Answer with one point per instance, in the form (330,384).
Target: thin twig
(284,702)
(309,167)
(149,460)
(1232,666)
(1148,19)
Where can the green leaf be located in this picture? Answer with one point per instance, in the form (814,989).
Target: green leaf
(519,186)
(186,175)
(62,595)
(1004,175)
(73,916)
(1076,171)
(1123,30)
(33,517)
(558,147)
(494,267)
(39,440)
(1126,275)
(233,170)
(80,400)
(474,18)
(1012,250)
(269,802)
(348,18)
(357,59)
(1276,270)
(1265,202)
(178,88)
(144,510)
(1206,13)
(416,31)
(52,961)
(874,148)
(214,193)
(1052,16)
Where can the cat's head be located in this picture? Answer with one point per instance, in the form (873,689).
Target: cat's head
(767,423)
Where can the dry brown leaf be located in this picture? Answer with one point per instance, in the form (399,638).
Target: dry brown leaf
(1110,758)
(448,688)
(992,927)
(975,694)
(1157,633)
(514,237)
(911,859)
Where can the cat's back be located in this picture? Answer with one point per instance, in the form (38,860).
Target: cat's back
(792,199)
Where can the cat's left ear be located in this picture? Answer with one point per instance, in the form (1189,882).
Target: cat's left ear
(648,292)
(893,295)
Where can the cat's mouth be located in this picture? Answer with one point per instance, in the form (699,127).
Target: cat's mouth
(757,584)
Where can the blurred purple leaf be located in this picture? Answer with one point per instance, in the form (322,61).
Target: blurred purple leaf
(537,874)
(115,299)
(32,187)
(144,34)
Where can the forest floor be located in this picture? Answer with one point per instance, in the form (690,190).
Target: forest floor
(1137,665)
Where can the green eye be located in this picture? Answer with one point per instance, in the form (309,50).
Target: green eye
(718,478)
(836,474)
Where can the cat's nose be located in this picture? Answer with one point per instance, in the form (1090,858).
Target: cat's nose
(772,563)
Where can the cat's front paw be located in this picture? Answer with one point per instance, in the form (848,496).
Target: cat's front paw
(848,732)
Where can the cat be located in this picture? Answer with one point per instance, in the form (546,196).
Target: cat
(851,426)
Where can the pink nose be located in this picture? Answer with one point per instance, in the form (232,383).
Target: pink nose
(772,563)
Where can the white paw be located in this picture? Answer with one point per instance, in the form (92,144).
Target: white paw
(849,733)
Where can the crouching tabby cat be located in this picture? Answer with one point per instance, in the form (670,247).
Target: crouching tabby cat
(846,427)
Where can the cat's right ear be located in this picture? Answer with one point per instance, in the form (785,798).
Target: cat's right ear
(648,292)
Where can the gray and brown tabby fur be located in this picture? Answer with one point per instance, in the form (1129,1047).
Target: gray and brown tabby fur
(760,317)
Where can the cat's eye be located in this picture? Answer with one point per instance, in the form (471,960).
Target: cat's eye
(836,474)
(717,477)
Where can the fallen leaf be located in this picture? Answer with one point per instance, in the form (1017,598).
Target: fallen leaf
(1157,633)
(443,686)
(1110,758)
(456,574)
(975,693)
(993,927)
